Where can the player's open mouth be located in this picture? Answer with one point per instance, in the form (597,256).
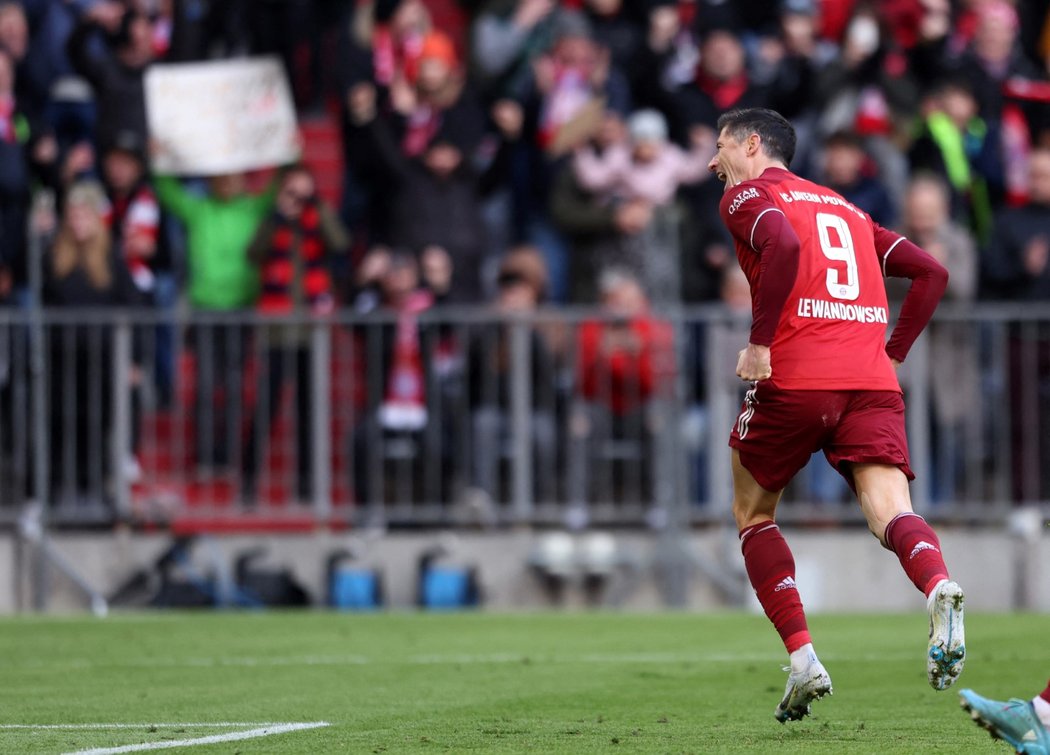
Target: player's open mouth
(721,176)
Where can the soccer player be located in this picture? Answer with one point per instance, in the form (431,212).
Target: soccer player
(1024,724)
(823,378)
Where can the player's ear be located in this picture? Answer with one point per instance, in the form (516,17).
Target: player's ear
(753,142)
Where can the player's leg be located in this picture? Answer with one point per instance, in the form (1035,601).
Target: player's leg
(771,569)
(882,490)
(1025,724)
(884,498)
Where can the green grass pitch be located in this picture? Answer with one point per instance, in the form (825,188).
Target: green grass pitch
(477,682)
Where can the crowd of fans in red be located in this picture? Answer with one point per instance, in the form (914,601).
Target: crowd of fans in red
(516,152)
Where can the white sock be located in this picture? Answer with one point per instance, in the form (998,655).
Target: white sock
(802,657)
(1042,709)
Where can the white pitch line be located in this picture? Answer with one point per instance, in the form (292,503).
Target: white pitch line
(147,725)
(235,736)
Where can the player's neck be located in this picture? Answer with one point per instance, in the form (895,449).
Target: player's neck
(759,165)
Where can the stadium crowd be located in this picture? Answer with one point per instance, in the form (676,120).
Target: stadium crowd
(515,153)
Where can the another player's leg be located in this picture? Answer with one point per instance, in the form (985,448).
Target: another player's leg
(886,502)
(771,569)
(1025,724)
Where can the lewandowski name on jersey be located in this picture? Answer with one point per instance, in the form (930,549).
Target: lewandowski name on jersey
(833,310)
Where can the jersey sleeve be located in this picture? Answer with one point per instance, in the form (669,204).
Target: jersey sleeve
(901,258)
(758,224)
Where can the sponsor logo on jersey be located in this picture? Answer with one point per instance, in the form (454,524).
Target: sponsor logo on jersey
(787,583)
(743,196)
(920,546)
(821,309)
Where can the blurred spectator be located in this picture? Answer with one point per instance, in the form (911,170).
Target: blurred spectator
(402,384)
(14,41)
(647,170)
(14,177)
(134,224)
(668,57)
(1017,267)
(593,228)
(219,225)
(507,36)
(615,29)
(870,89)
(870,84)
(490,384)
(1017,261)
(624,366)
(789,61)
(953,346)
(992,56)
(961,147)
(647,166)
(994,66)
(847,170)
(83,270)
(721,83)
(526,262)
(292,248)
(134,219)
(385,38)
(115,70)
(375,49)
(436,195)
(573,84)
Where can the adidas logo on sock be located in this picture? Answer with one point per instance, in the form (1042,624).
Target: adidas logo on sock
(787,583)
(922,545)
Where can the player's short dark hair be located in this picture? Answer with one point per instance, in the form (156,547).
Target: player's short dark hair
(778,135)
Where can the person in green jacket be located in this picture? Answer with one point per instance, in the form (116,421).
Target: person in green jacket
(219,226)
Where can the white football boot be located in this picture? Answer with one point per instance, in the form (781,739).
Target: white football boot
(803,687)
(947,650)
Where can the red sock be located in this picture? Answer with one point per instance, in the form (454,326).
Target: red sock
(1045,694)
(771,569)
(918,549)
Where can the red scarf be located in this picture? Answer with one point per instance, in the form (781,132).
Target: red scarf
(391,56)
(724,93)
(278,269)
(404,405)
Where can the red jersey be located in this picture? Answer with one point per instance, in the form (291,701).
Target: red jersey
(831,332)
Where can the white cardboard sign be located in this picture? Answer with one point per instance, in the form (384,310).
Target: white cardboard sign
(220,117)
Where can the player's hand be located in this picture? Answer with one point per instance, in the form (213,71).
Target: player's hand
(753,363)
(896,364)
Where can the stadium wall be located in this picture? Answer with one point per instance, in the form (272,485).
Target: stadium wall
(838,569)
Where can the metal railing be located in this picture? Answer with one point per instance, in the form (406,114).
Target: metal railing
(468,417)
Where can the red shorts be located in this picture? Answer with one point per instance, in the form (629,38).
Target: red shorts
(778,430)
